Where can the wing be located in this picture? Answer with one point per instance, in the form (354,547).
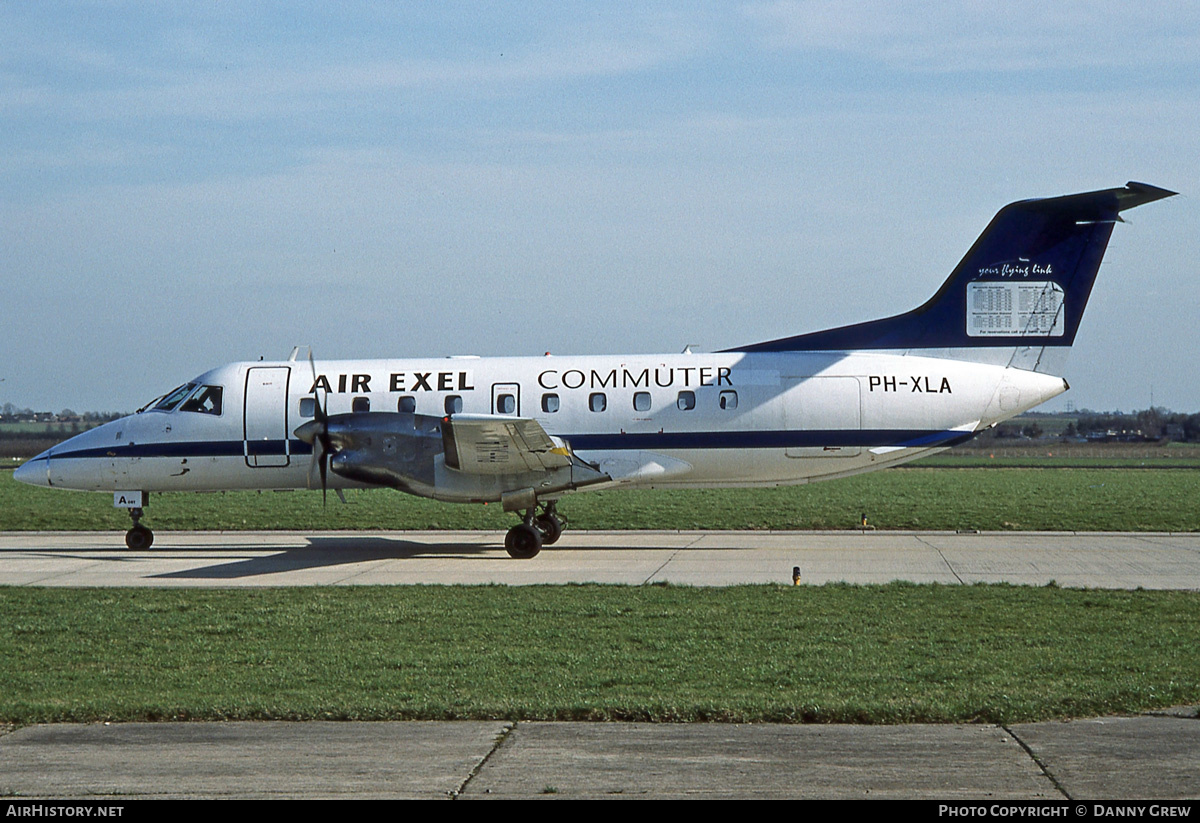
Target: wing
(492,444)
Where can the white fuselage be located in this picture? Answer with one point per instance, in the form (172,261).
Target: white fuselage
(680,420)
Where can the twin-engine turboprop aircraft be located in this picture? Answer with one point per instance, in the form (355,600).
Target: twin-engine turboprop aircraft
(525,431)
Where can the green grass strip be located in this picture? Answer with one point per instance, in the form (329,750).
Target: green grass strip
(875,654)
(1129,499)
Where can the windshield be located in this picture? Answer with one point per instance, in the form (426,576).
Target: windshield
(173,399)
(205,401)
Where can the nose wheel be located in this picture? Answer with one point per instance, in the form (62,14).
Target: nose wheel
(139,537)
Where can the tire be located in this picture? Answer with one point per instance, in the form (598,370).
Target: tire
(550,527)
(139,538)
(523,542)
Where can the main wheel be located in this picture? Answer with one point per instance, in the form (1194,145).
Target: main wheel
(523,542)
(550,527)
(139,538)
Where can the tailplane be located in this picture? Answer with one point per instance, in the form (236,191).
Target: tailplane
(1018,294)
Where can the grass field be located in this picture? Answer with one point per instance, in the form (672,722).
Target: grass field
(897,653)
(879,654)
(986,498)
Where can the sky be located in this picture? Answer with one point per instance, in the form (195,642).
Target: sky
(188,184)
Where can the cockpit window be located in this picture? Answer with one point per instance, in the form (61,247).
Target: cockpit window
(205,401)
(174,398)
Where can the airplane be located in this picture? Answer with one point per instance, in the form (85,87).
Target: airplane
(527,431)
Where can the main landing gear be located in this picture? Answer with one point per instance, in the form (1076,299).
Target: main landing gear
(526,539)
(139,537)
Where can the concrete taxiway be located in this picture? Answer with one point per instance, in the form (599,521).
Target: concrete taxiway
(232,559)
(1155,757)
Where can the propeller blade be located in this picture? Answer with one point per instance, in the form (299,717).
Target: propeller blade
(316,432)
(324,483)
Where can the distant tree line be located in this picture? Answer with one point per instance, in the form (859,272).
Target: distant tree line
(10,413)
(1155,424)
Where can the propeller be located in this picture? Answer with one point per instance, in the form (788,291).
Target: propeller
(316,433)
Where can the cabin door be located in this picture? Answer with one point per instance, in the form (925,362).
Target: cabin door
(265,420)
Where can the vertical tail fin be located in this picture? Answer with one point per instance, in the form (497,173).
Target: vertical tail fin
(1021,289)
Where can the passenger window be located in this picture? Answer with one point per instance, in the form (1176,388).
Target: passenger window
(728,400)
(360,405)
(454,404)
(550,403)
(686,401)
(597,402)
(406,404)
(308,407)
(205,401)
(641,401)
(506,404)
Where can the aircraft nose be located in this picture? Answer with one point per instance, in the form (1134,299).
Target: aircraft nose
(35,472)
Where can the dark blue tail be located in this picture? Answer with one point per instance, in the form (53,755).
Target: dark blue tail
(1025,282)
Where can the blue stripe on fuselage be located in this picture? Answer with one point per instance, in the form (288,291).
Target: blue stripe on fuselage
(194,448)
(834,438)
(648,441)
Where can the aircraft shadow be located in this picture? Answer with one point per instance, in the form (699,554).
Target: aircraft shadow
(327,552)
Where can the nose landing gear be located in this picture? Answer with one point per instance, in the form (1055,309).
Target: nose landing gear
(139,537)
